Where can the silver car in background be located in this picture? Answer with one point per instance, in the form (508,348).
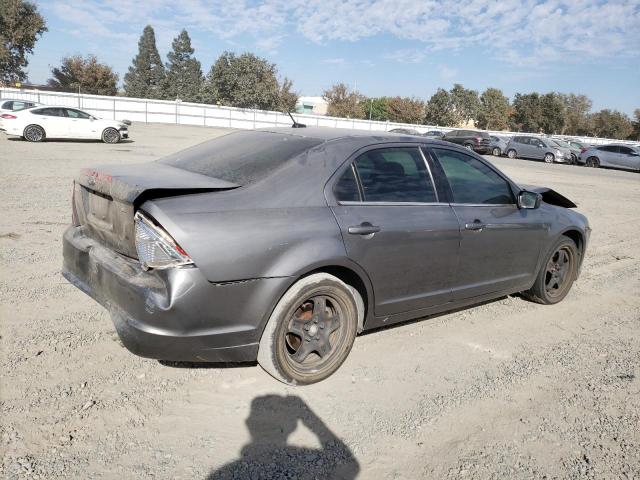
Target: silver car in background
(498,145)
(617,156)
(537,148)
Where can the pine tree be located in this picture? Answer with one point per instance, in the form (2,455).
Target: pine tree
(184,73)
(146,73)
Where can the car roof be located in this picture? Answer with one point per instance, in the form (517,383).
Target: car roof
(330,133)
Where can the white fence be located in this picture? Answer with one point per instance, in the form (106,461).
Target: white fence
(184,113)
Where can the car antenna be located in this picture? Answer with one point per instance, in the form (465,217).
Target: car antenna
(295,123)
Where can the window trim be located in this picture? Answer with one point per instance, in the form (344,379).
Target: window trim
(350,163)
(443,177)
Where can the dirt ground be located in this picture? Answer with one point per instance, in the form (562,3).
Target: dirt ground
(509,389)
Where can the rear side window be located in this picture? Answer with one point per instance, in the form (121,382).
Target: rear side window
(473,182)
(21,105)
(346,189)
(241,157)
(395,175)
(7,105)
(51,112)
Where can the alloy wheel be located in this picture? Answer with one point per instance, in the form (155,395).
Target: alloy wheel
(313,333)
(557,276)
(33,133)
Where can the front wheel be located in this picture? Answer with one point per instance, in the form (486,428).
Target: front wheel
(556,275)
(468,146)
(592,162)
(511,154)
(110,135)
(34,133)
(496,152)
(311,330)
(549,158)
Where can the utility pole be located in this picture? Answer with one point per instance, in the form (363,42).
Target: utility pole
(370,107)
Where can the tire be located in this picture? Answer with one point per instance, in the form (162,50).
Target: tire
(469,146)
(574,159)
(496,152)
(110,135)
(549,158)
(34,133)
(556,275)
(298,345)
(592,162)
(512,154)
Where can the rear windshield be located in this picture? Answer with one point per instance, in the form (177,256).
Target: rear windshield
(241,157)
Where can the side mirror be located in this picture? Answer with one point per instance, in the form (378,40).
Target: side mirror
(529,200)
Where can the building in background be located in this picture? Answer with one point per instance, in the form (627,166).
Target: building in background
(314,105)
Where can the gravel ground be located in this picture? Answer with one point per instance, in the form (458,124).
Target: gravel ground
(508,389)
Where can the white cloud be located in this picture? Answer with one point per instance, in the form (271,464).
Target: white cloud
(527,32)
(447,73)
(406,55)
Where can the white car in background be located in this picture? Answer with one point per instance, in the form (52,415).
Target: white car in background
(39,123)
(9,105)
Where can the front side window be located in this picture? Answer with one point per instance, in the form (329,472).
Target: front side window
(395,175)
(472,181)
(71,113)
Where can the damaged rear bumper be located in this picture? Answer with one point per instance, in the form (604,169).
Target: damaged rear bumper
(174,314)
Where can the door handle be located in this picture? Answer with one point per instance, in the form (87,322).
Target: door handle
(365,228)
(476,225)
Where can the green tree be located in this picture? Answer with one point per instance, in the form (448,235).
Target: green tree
(20,27)
(184,73)
(611,124)
(494,110)
(376,109)
(465,104)
(439,110)
(246,81)
(86,75)
(146,74)
(527,112)
(577,108)
(287,98)
(344,103)
(553,111)
(636,125)
(405,110)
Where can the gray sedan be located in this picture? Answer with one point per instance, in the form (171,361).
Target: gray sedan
(282,245)
(537,148)
(618,156)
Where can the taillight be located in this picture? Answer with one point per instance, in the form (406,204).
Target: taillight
(155,247)
(478,139)
(8,116)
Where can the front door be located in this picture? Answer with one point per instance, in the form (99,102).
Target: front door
(80,124)
(500,243)
(394,227)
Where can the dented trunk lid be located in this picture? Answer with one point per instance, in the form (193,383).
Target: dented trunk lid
(105,198)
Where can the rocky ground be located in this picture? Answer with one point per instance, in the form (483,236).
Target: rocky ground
(508,389)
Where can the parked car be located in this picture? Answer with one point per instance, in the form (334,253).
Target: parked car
(40,123)
(498,145)
(574,151)
(406,131)
(281,245)
(433,134)
(9,105)
(475,140)
(618,156)
(538,148)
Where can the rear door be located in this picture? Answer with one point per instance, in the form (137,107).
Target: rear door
(53,120)
(500,243)
(395,228)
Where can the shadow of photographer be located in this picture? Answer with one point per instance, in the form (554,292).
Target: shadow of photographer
(273,418)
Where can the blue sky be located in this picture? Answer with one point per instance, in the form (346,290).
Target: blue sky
(381,47)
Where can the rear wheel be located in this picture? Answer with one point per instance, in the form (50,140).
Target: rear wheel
(573,159)
(511,154)
(549,158)
(556,275)
(592,162)
(496,152)
(110,135)
(34,133)
(311,330)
